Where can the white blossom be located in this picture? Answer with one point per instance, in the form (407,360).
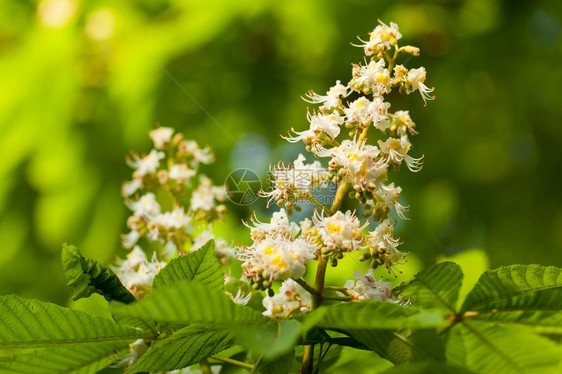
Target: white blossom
(279,225)
(137,272)
(129,188)
(147,164)
(396,149)
(200,155)
(145,207)
(206,195)
(368,288)
(161,136)
(358,162)
(382,38)
(332,97)
(319,123)
(340,230)
(298,179)
(291,298)
(415,81)
(276,257)
(181,173)
(374,76)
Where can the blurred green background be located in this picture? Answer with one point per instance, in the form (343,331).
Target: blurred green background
(84,81)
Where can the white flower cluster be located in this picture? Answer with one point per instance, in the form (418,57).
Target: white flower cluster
(361,170)
(290,299)
(277,253)
(137,272)
(173,180)
(169,199)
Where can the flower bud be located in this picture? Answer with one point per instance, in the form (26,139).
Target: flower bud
(415,51)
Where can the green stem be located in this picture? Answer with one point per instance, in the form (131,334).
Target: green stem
(315,202)
(205,367)
(317,298)
(338,298)
(331,288)
(257,365)
(306,286)
(233,362)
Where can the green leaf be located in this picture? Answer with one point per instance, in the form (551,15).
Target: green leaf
(75,359)
(26,323)
(87,276)
(489,348)
(201,265)
(371,315)
(519,294)
(186,303)
(185,347)
(427,368)
(437,286)
(280,365)
(372,325)
(271,339)
(404,346)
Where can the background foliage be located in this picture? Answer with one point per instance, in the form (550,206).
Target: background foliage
(83,81)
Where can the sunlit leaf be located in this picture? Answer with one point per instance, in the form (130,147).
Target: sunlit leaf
(489,348)
(26,322)
(201,265)
(186,303)
(437,286)
(519,294)
(75,359)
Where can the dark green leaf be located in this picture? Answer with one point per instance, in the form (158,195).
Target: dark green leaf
(519,294)
(87,276)
(371,315)
(280,365)
(74,359)
(488,348)
(26,322)
(201,265)
(185,347)
(427,368)
(403,346)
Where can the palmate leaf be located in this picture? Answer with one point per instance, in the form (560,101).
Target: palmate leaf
(32,323)
(436,287)
(280,365)
(372,315)
(529,295)
(87,276)
(186,303)
(75,359)
(427,368)
(185,347)
(201,265)
(400,347)
(489,348)
(374,325)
